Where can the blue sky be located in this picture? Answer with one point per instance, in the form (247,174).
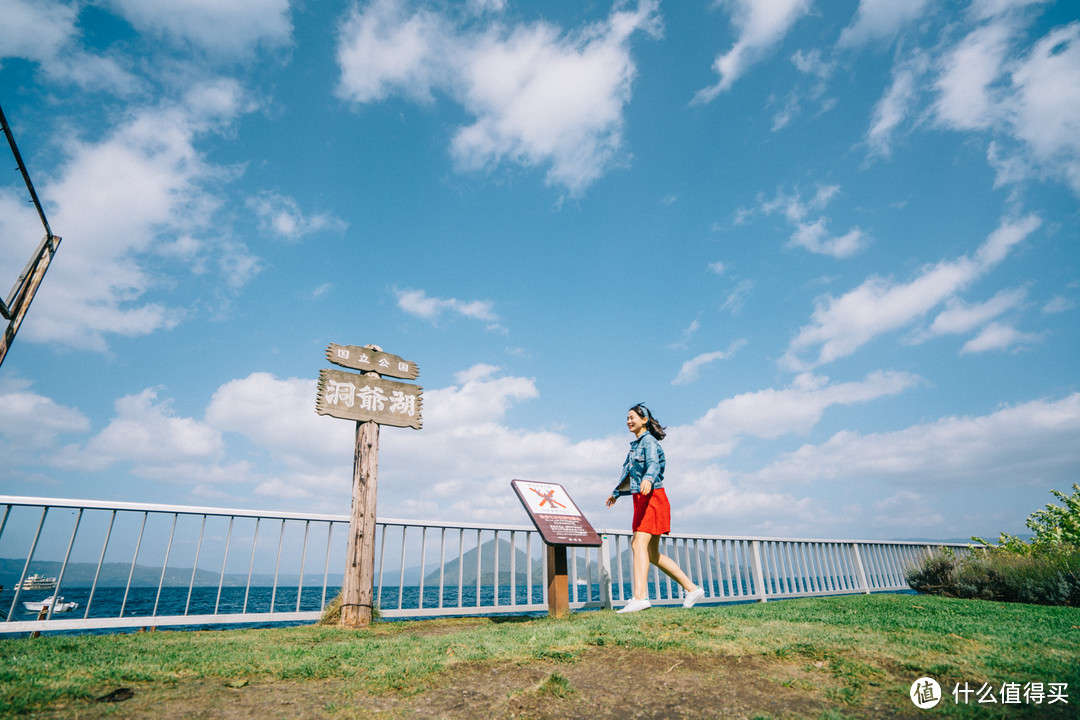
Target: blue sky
(833,246)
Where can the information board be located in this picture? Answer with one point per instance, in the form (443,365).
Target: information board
(554,514)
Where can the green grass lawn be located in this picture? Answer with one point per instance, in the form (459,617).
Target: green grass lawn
(857,650)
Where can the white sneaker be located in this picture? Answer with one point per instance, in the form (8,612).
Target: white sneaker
(635,605)
(693,597)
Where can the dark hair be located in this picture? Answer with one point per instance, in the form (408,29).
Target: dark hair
(651,424)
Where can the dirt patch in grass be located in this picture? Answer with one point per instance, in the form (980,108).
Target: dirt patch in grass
(597,684)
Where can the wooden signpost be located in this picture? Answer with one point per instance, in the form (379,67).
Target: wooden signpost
(371,401)
(560,524)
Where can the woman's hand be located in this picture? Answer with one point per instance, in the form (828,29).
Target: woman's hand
(611,500)
(646,487)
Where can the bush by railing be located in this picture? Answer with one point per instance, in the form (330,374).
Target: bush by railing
(1040,579)
(1042,571)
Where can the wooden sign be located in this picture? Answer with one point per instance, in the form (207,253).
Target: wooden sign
(369,398)
(555,514)
(368,360)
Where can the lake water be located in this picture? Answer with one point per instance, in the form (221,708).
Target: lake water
(148,602)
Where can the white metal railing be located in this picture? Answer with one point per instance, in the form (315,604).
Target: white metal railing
(138,564)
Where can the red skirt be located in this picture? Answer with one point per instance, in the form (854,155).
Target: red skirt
(652,513)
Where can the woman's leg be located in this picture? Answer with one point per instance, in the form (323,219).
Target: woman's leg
(669,566)
(640,546)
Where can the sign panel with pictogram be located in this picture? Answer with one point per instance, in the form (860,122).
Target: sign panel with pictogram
(555,514)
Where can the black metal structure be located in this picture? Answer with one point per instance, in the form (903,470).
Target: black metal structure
(14,307)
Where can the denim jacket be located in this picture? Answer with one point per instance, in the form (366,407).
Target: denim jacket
(645,461)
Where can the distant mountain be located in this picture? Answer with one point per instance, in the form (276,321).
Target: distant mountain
(487,567)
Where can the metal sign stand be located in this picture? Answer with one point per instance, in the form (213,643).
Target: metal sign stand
(561,525)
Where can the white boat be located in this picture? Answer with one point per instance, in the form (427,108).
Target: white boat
(36,582)
(58,605)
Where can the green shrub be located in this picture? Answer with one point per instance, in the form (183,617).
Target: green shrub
(1045,578)
(1044,571)
(1055,527)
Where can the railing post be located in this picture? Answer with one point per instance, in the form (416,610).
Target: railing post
(755,566)
(605,573)
(863,584)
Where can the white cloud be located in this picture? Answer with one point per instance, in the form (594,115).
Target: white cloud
(279,416)
(842,325)
(1033,443)
(815,238)
(959,317)
(773,413)
(898,103)
(29,421)
(877,20)
(540,97)
(792,205)
(1024,100)
(999,336)
(148,433)
(1045,108)
(226,28)
(691,369)
(380,50)
(33,30)
(966,96)
(760,27)
(46,32)
(281,216)
(144,189)
(736,299)
(1058,304)
(717,268)
(417,302)
(811,63)
(984,9)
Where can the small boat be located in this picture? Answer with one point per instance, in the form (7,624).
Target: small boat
(36,582)
(57,603)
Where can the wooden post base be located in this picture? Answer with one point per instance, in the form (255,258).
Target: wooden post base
(558,586)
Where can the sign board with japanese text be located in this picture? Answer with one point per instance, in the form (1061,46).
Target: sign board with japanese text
(368,360)
(555,514)
(367,398)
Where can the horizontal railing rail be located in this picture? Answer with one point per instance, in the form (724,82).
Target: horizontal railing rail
(128,565)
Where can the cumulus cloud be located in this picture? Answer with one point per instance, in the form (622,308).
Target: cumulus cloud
(418,303)
(1043,110)
(841,325)
(227,28)
(773,413)
(30,422)
(960,317)
(1022,98)
(691,369)
(539,96)
(999,336)
(760,26)
(1037,442)
(966,98)
(282,217)
(878,20)
(815,237)
(149,434)
(143,189)
(898,104)
(46,32)
(810,235)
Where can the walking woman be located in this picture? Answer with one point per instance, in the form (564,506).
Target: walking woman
(643,477)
